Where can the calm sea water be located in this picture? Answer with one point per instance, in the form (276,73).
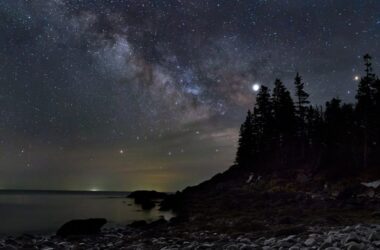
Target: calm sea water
(44,212)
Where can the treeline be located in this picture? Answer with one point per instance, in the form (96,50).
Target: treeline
(282,132)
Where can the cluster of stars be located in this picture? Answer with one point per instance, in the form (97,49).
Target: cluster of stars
(164,81)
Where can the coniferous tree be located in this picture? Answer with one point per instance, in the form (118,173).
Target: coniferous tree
(333,121)
(364,94)
(302,98)
(263,119)
(340,135)
(283,111)
(284,122)
(365,107)
(314,127)
(301,108)
(246,147)
(376,116)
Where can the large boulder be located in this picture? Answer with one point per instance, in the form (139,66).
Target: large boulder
(146,198)
(147,204)
(81,227)
(149,195)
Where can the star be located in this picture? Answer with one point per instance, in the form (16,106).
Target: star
(256,87)
(85,80)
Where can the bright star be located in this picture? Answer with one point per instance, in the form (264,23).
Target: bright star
(356,78)
(256,87)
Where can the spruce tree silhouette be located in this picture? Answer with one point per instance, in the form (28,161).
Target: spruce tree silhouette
(246,147)
(336,138)
(263,120)
(301,98)
(301,108)
(365,108)
(283,112)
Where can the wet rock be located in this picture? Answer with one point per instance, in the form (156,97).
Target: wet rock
(81,227)
(270,242)
(147,198)
(138,224)
(374,236)
(294,248)
(156,223)
(354,246)
(309,242)
(353,237)
(249,247)
(147,204)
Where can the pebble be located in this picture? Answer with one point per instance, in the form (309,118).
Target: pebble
(310,242)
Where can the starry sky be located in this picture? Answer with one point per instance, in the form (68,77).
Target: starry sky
(149,94)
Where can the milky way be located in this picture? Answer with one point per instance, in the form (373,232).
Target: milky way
(121,95)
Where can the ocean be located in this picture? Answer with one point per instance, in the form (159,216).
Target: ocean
(45,211)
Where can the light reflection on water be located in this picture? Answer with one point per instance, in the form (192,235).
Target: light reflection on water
(44,212)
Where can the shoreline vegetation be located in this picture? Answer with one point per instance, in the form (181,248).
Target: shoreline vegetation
(304,178)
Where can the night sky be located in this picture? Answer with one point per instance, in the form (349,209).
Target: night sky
(124,95)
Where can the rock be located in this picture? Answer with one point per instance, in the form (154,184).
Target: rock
(147,204)
(347,229)
(309,242)
(150,195)
(270,242)
(373,184)
(138,224)
(81,227)
(376,243)
(374,236)
(329,239)
(9,247)
(376,214)
(206,246)
(325,245)
(352,237)
(287,242)
(232,247)
(354,246)
(294,248)
(370,193)
(158,222)
(248,247)
(146,198)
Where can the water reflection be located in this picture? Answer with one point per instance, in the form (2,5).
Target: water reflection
(44,212)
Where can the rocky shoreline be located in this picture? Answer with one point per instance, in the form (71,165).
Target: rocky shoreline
(237,214)
(360,236)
